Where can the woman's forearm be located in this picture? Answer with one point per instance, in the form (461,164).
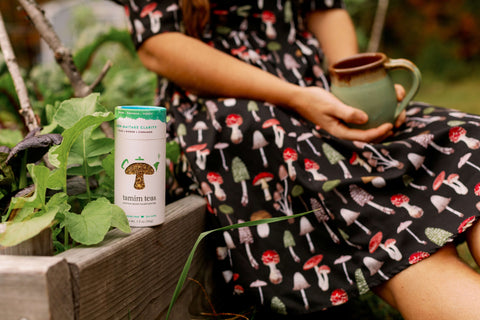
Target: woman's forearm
(335,32)
(203,70)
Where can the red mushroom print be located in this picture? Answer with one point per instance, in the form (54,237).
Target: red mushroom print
(154,16)
(402,201)
(342,260)
(467,223)
(313,167)
(441,203)
(390,247)
(238,289)
(262,179)
(259,143)
(246,238)
(234,121)
(464,160)
(405,226)
(290,155)
(268,17)
(300,284)
(453,181)
(305,229)
(216,179)
(418,256)
(362,197)
(476,190)
(375,242)
(271,258)
(355,159)
(338,297)
(351,217)
(277,130)
(201,154)
(457,134)
(321,272)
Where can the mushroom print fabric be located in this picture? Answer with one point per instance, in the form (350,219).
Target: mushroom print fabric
(379,208)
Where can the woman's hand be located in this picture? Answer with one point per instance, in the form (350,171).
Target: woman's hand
(400,90)
(327,111)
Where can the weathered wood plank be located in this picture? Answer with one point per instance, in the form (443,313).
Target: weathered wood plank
(133,276)
(35,288)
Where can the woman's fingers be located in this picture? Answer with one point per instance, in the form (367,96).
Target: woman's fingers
(400,91)
(342,131)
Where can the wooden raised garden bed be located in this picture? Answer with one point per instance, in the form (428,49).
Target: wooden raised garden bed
(125,277)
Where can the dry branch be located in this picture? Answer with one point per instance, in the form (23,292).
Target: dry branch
(26,110)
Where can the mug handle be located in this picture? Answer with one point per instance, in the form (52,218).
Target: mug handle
(415,78)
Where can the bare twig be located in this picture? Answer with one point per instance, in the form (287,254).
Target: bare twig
(378,23)
(26,109)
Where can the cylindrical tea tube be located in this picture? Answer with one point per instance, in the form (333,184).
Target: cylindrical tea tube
(140,133)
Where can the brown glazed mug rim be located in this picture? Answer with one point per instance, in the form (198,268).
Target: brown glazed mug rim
(378,59)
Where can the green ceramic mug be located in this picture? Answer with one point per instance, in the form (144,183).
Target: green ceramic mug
(364,81)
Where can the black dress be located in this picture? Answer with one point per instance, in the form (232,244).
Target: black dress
(380,207)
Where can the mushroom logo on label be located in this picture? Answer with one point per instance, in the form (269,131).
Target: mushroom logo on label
(139,169)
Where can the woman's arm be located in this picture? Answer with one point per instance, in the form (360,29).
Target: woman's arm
(335,31)
(206,71)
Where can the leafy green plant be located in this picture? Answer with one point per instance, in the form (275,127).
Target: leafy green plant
(84,150)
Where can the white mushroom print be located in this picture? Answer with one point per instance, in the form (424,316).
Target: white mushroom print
(246,239)
(262,180)
(323,217)
(306,137)
(154,16)
(300,284)
(338,297)
(426,139)
(291,64)
(313,167)
(342,260)
(405,226)
(441,203)
(259,284)
(351,216)
(289,242)
(139,29)
(271,258)
(464,160)
(453,181)
(305,229)
(234,121)
(289,156)
(277,130)
(321,271)
(362,197)
(402,201)
(230,245)
(199,127)
(212,110)
(374,266)
(240,175)
(334,157)
(216,179)
(381,160)
(417,161)
(457,134)
(259,143)
(220,146)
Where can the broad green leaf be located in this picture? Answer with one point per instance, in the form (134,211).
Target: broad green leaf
(108,164)
(58,155)
(17,232)
(119,219)
(10,138)
(73,110)
(92,224)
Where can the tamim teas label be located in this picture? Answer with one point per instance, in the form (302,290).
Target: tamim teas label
(140,163)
